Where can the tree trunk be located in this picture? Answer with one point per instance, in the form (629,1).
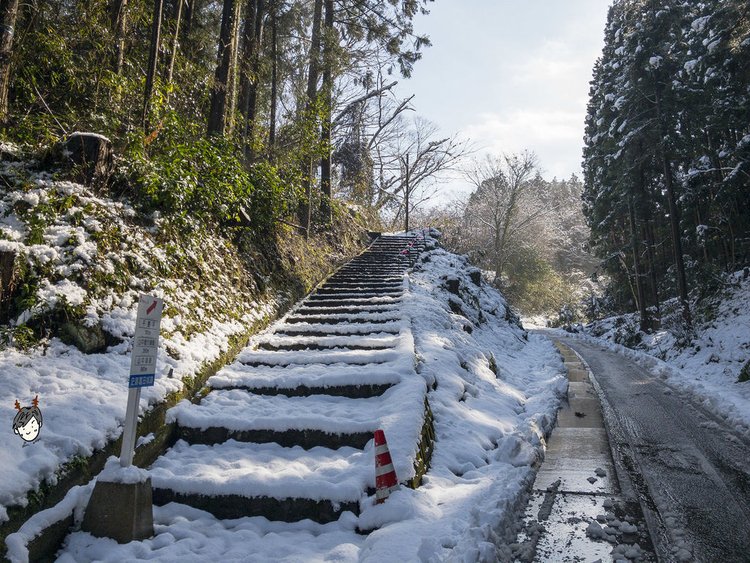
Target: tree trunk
(641,294)
(674,216)
(175,41)
(274,81)
(217,114)
(8,16)
(153,59)
(308,169)
(252,40)
(232,82)
(407,193)
(191,8)
(648,231)
(325,137)
(119,23)
(8,282)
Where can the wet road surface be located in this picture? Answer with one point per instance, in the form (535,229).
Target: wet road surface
(690,470)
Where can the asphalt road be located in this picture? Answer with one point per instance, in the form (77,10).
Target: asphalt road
(689,469)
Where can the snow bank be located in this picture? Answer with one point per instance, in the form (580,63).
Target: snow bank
(706,368)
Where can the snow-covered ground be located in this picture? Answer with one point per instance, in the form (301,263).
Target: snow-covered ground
(493,390)
(708,367)
(73,241)
(86,257)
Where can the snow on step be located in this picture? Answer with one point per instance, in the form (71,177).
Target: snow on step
(314,376)
(315,329)
(360,328)
(319,374)
(334,300)
(349,294)
(296,357)
(324,309)
(264,470)
(334,308)
(239,410)
(401,353)
(375,340)
(361,317)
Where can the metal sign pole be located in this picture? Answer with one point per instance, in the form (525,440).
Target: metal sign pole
(131,423)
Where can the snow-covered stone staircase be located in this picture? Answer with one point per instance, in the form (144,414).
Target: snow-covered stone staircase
(286,430)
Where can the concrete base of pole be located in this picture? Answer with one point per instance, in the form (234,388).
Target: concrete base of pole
(121,511)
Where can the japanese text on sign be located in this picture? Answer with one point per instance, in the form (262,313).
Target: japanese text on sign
(145,342)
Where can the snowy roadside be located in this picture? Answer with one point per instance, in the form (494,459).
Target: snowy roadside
(494,392)
(708,369)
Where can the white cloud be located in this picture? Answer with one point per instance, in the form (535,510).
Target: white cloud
(554,135)
(553,61)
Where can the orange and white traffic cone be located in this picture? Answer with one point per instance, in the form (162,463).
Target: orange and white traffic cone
(385,475)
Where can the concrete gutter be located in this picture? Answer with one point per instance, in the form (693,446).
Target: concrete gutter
(578,510)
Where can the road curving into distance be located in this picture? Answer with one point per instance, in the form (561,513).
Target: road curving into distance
(690,470)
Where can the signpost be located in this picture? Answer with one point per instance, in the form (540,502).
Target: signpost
(142,368)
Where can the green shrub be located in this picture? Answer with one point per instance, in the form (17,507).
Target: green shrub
(185,175)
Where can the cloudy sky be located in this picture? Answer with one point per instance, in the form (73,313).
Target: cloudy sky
(510,75)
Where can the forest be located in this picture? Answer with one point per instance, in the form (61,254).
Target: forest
(667,153)
(274,112)
(236,110)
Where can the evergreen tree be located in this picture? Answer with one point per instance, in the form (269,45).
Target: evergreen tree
(665,159)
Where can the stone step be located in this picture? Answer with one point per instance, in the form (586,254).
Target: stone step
(325,331)
(336,319)
(359,315)
(394,266)
(371,296)
(299,347)
(370,272)
(363,391)
(342,278)
(389,339)
(256,358)
(303,437)
(363,285)
(235,479)
(385,258)
(329,329)
(333,301)
(360,290)
(323,310)
(305,421)
(312,376)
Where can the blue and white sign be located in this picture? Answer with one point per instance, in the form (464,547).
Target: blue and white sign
(145,342)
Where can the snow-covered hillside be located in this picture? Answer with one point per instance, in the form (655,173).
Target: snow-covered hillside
(81,259)
(493,389)
(706,364)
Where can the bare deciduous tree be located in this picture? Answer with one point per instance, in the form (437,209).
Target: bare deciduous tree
(503,206)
